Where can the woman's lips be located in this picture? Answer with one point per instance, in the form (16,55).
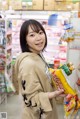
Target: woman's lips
(39,44)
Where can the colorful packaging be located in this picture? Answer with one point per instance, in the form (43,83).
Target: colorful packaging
(68,68)
(59,79)
(71,105)
(60,82)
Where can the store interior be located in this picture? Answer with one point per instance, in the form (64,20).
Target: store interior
(63,47)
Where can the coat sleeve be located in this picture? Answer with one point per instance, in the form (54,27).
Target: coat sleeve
(32,89)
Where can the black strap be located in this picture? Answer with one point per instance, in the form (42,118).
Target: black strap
(41,55)
(50,79)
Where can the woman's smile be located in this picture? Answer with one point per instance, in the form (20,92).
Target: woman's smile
(35,41)
(40,44)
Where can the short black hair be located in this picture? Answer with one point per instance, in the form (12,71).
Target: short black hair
(36,26)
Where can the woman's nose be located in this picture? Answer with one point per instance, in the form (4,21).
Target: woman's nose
(38,37)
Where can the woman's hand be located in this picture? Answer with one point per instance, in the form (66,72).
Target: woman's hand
(55,93)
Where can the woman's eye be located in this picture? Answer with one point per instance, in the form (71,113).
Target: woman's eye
(41,32)
(32,35)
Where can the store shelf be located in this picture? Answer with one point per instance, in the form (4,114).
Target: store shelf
(74,48)
(5,56)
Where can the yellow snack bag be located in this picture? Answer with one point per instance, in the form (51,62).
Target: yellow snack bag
(60,82)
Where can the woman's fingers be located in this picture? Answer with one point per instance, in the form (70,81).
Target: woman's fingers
(55,93)
(58,92)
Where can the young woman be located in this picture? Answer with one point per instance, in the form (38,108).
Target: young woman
(32,74)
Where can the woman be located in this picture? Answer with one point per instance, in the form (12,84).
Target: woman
(32,73)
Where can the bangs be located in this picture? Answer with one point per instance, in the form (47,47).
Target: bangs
(36,28)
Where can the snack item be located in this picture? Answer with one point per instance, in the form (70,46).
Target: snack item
(69,34)
(71,105)
(60,82)
(68,68)
(59,79)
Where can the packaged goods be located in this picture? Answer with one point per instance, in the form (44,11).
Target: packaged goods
(59,79)
(68,68)
(71,100)
(71,105)
(60,82)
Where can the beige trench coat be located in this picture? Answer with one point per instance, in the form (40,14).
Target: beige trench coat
(33,79)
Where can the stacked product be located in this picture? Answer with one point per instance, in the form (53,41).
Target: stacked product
(59,79)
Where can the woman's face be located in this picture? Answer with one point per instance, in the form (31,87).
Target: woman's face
(36,41)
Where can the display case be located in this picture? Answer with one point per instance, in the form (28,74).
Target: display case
(56,50)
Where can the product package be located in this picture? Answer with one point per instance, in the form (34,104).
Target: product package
(59,79)
(71,106)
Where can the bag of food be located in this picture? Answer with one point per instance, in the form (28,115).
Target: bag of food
(59,78)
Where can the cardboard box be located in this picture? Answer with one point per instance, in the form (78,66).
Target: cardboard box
(72,6)
(60,6)
(18,5)
(59,0)
(69,6)
(11,4)
(68,0)
(27,4)
(75,6)
(4,5)
(37,4)
(49,4)
(15,5)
